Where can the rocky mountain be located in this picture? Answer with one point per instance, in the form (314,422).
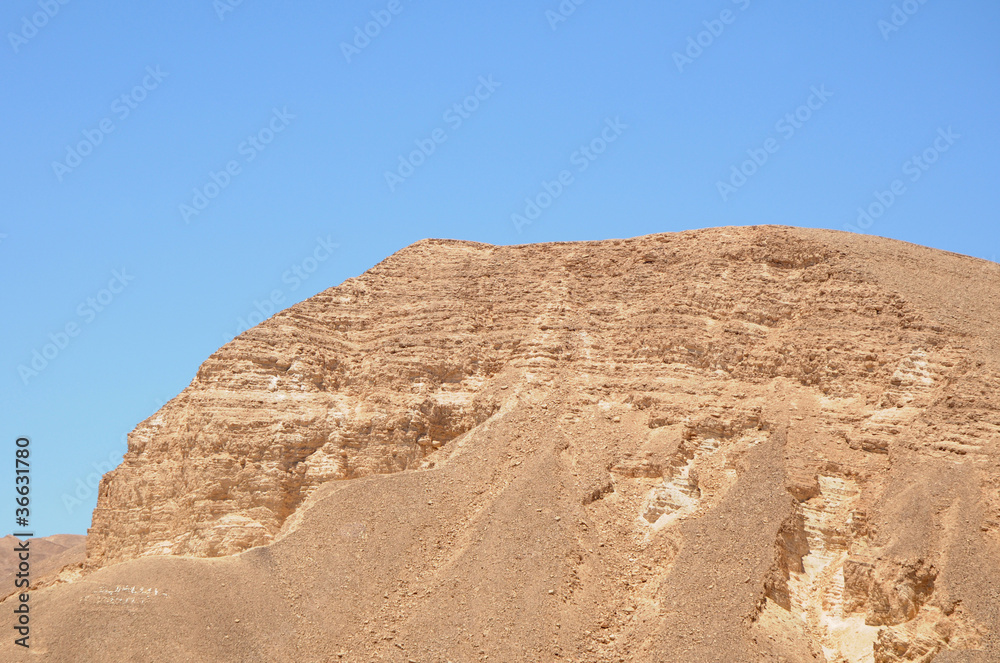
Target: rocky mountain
(736,444)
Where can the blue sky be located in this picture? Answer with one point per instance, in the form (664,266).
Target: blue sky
(169,168)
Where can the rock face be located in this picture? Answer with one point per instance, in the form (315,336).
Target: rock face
(352,382)
(738,444)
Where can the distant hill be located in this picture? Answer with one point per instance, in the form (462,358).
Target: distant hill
(48,556)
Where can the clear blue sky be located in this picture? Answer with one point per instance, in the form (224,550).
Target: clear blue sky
(277,138)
